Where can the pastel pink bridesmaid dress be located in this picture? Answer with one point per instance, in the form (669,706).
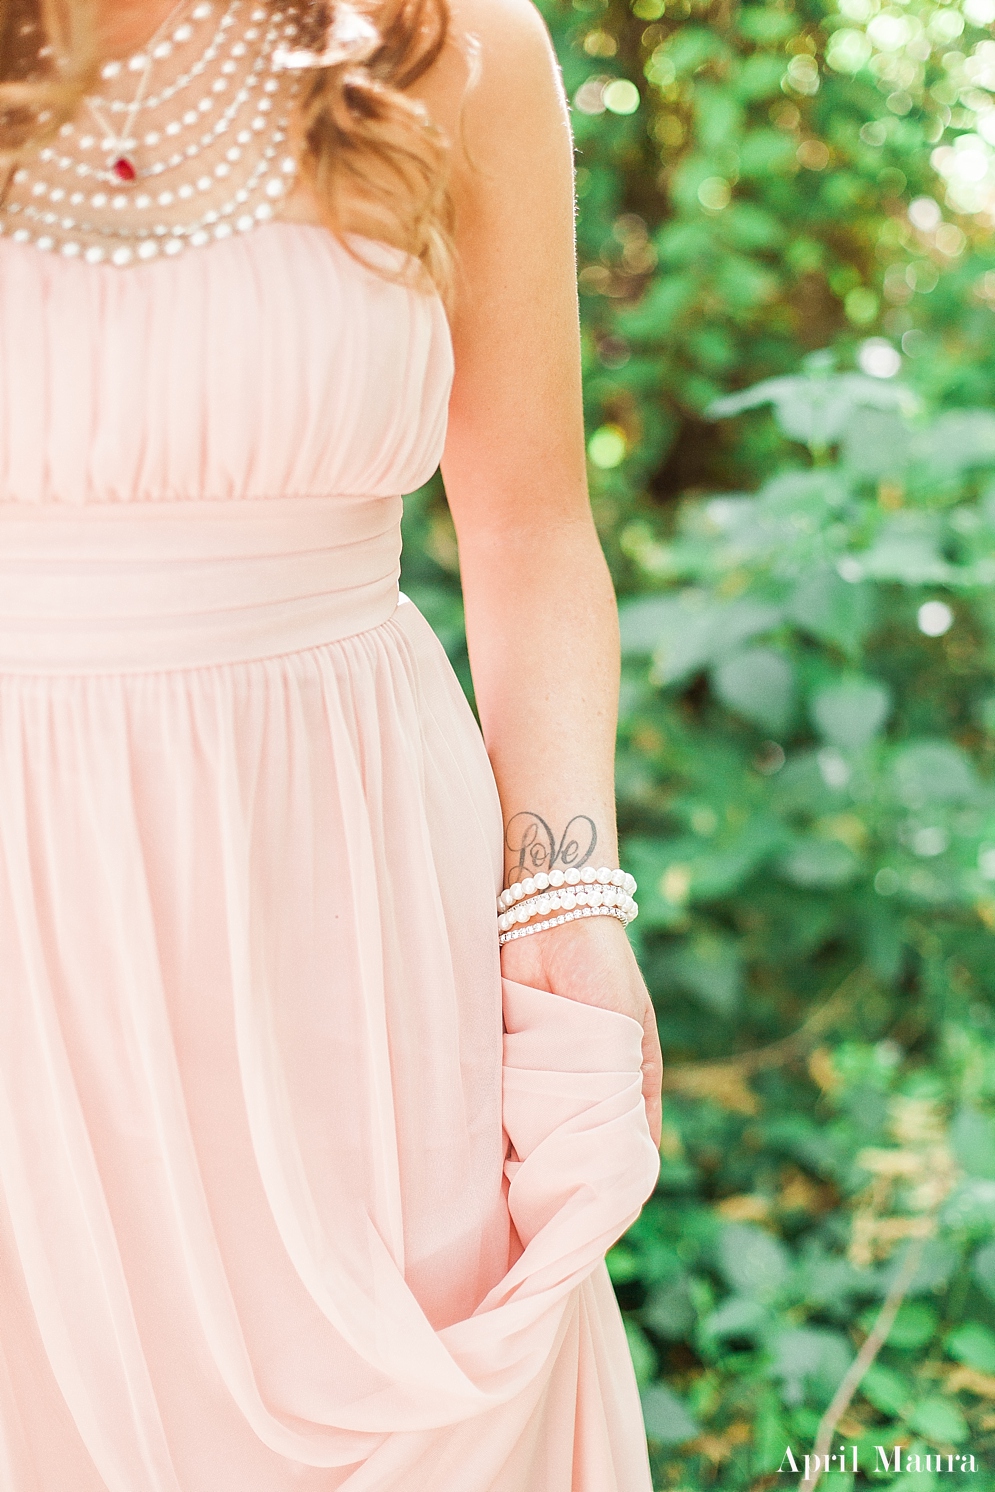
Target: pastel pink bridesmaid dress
(285,1205)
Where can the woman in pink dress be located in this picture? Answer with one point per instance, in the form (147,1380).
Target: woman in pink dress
(285,1204)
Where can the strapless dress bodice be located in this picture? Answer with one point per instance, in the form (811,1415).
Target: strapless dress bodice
(267,365)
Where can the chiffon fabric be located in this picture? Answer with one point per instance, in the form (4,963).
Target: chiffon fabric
(291,1199)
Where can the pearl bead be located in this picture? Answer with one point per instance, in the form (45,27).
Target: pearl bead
(556,878)
(572,877)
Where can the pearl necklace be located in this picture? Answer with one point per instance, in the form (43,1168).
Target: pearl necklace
(120,163)
(198,169)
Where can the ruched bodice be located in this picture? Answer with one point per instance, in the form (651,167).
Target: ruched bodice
(271,364)
(285,1204)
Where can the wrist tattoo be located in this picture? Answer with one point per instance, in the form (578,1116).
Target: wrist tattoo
(535,847)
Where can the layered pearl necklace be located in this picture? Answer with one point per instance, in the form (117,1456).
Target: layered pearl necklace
(196,152)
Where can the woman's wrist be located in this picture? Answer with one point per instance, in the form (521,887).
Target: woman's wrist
(556,880)
(542,844)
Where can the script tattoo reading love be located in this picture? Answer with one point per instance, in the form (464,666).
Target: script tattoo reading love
(536,847)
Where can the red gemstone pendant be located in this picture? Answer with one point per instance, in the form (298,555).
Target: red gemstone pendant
(123,169)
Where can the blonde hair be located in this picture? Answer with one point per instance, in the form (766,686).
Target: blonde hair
(366,142)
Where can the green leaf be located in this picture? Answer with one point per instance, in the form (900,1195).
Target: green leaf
(669,1311)
(666,1419)
(718,117)
(831,610)
(764,25)
(738,1315)
(816,409)
(765,151)
(972,1136)
(914,1327)
(908,550)
(850,712)
(888,1391)
(810,1356)
(664,303)
(819,864)
(687,631)
(760,76)
(940,1421)
(692,46)
(972,1344)
(876,442)
(915,1481)
(747,226)
(940,1258)
(753,1262)
(933,772)
(972,1206)
(983,1269)
(759,684)
(641,1352)
(957,439)
(711,967)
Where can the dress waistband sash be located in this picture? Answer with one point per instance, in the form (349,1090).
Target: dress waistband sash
(140,587)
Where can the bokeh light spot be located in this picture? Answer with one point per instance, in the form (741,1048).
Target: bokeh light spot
(607,447)
(861,306)
(935,618)
(925,214)
(886,882)
(878,359)
(714,193)
(621,97)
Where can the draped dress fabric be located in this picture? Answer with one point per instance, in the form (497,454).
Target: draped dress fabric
(294,1193)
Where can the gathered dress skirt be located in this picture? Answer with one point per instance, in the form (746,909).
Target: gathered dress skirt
(296,1194)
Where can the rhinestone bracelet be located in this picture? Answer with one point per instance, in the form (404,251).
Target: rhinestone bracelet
(535,927)
(565,900)
(603,876)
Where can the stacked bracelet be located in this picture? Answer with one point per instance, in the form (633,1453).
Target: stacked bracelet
(603,876)
(566,900)
(589,892)
(535,927)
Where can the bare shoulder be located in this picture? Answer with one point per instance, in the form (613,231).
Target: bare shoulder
(498,66)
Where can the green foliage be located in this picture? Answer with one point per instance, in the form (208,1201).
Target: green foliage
(782,207)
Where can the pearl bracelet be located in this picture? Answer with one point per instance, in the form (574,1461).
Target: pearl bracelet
(603,876)
(535,927)
(566,900)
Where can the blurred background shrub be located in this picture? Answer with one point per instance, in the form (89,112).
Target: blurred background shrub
(787,285)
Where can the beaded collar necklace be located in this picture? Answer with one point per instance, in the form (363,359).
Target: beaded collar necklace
(197,152)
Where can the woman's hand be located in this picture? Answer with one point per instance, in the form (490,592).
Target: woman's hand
(591,960)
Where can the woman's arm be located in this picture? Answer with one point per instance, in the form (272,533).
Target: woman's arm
(540,611)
